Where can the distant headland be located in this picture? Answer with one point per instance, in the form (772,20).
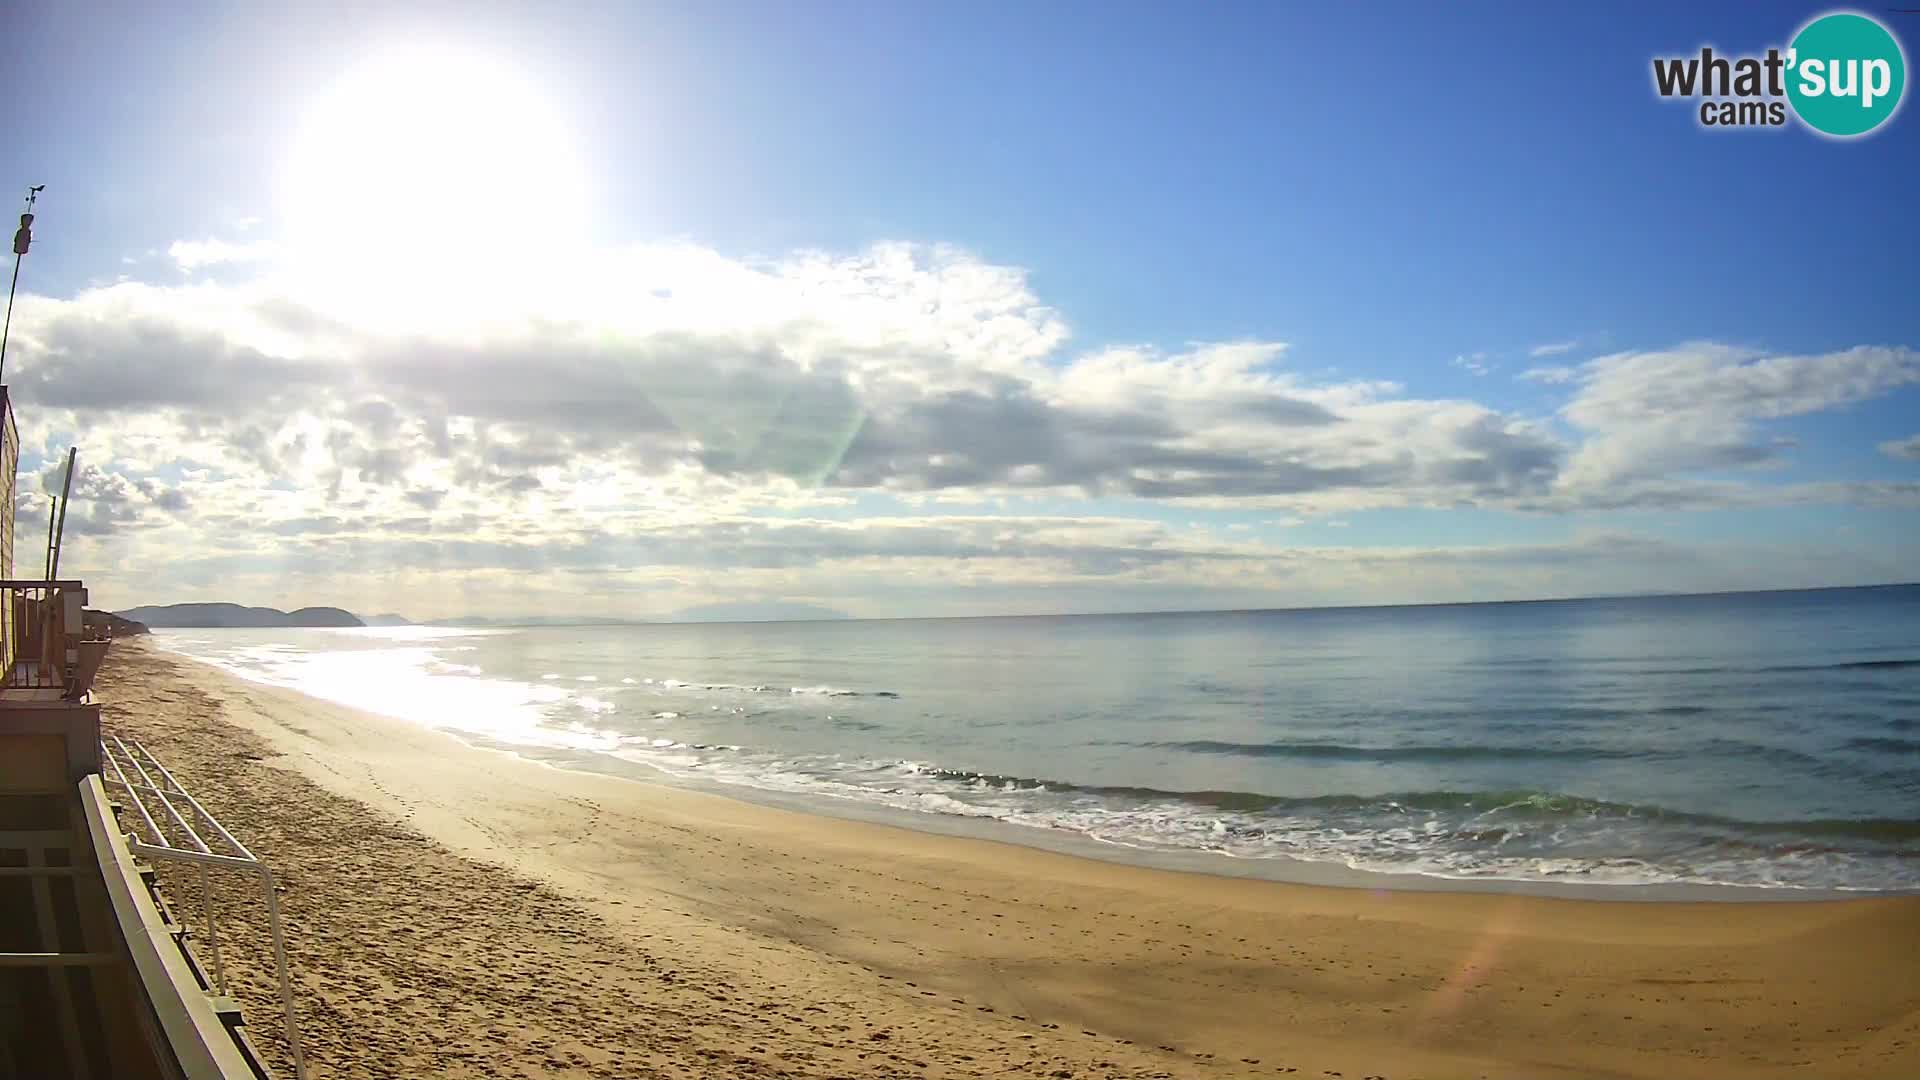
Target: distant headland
(218,615)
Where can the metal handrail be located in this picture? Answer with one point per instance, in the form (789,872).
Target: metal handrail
(202,855)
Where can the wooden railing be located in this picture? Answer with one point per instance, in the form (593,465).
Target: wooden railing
(44,639)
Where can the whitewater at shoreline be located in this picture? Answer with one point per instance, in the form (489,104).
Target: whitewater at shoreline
(1647,797)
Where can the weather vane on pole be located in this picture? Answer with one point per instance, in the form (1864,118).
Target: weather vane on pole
(22,240)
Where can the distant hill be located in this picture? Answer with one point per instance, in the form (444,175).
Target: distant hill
(218,615)
(386,620)
(119,626)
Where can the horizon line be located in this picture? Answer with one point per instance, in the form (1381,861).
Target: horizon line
(611,620)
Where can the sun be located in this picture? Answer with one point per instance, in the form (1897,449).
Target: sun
(423,174)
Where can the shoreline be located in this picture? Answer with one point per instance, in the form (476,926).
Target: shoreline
(1075,845)
(1280,869)
(1236,975)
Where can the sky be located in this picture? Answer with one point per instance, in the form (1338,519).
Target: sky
(917,309)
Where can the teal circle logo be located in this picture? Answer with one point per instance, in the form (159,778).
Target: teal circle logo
(1846,74)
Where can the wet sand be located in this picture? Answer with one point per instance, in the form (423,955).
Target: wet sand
(462,912)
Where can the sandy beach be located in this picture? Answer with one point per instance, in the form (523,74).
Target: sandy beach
(462,912)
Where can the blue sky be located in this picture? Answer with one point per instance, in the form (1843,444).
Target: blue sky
(1400,193)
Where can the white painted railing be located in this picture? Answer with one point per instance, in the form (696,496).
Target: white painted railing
(157,797)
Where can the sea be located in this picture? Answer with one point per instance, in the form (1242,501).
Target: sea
(1762,742)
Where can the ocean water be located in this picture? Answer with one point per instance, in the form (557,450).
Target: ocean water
(1769,740)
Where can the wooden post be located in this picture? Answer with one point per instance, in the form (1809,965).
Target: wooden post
(53,572)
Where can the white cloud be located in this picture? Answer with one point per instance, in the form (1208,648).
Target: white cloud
(952,565)
(1554,348)
(1709,380)
(624,426)
(1697,407)
(1473,364)
(906,371)
(1551,376)
(1907,449)
(191,255)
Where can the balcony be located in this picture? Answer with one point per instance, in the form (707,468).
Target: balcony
(50,654)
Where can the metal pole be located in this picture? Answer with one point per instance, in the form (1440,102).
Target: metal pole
(53,508)
(21,240)
(267,884)
(8,328)
(159,838)
(60,534)
(165,803)
(213,932)
(280,963)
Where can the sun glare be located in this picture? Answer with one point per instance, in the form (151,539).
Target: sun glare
(419,179)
